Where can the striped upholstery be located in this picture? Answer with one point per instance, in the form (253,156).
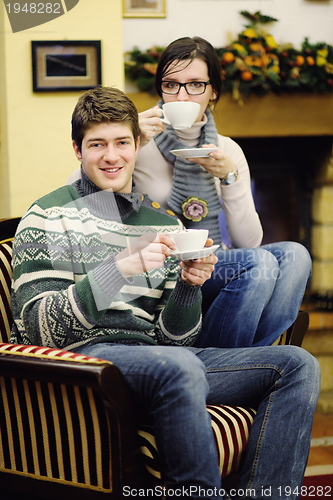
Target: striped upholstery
(57,427)
(54,432)
(6,318)
(48,353)
(231,428)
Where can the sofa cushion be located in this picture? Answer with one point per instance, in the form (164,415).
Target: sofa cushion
(231,427)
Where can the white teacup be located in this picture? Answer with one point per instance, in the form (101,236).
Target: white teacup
(181,114)
(189,239)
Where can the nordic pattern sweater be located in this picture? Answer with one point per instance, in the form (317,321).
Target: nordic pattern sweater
(67,289)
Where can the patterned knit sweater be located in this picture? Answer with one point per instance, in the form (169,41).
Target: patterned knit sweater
(67,288)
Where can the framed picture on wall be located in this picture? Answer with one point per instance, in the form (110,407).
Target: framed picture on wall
(66,65)
(144,8)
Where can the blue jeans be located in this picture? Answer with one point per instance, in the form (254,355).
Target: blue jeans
(254,295)
(173,384)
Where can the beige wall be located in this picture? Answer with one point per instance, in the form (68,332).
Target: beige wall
(36,152)
(220,20)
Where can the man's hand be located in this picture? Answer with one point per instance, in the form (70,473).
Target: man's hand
(147,252)
(196,272)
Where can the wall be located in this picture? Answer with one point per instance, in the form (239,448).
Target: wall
(215,19)
(36,150)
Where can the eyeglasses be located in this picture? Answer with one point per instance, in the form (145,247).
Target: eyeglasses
(192,88)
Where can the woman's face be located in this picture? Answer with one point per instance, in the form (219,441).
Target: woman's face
(183,72)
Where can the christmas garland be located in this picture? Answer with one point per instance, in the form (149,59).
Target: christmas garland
(253,63)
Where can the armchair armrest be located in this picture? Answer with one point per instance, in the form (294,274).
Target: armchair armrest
(66,424)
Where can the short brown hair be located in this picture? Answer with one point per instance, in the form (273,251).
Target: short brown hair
(103,105)
(187,49)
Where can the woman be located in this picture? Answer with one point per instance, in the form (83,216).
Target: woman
(256,292)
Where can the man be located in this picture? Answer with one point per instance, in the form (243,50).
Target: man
(93,273)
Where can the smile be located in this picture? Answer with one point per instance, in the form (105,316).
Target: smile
(111,170)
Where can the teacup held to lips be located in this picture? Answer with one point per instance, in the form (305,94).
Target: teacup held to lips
(189,239)
(180,115)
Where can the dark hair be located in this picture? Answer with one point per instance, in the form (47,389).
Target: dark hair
(187,49)
(103,105)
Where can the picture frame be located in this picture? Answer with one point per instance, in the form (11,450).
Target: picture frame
(66,65)
(144,8)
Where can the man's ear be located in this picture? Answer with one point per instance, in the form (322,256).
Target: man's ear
(137,147)
(77,151)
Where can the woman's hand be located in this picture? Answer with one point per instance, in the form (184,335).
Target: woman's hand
(196,272)
(147,252)
(218,164)
(150,124)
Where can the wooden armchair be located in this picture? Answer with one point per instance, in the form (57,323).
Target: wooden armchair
(67,426)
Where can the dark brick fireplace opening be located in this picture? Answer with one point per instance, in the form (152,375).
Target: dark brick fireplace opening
(284,172)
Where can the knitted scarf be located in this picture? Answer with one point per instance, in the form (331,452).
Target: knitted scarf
(193,194)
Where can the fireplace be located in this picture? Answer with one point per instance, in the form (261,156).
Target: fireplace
(284,174)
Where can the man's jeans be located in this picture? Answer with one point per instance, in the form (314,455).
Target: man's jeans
(174,384)
(254,295)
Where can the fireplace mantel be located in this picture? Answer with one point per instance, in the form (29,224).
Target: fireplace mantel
(268,116)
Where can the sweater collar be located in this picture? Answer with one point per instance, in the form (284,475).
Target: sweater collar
(193,133)
(107,204)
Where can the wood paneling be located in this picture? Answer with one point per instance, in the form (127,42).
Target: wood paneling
(267,116)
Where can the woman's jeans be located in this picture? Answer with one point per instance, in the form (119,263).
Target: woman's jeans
(254,295)
(174,384)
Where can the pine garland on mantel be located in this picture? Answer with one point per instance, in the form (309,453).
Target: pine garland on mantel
(253,63)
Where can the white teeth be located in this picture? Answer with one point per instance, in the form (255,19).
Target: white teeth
(111,169)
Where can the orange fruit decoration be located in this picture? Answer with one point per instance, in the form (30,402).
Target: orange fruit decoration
(253,61)
(257,47)
(268,58)
(228,57)
(310,61)
(246,76)
(299,60)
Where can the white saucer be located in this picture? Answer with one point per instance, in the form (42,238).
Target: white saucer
(194,254)
(193,152)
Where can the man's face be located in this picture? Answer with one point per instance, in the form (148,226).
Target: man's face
(108,154)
